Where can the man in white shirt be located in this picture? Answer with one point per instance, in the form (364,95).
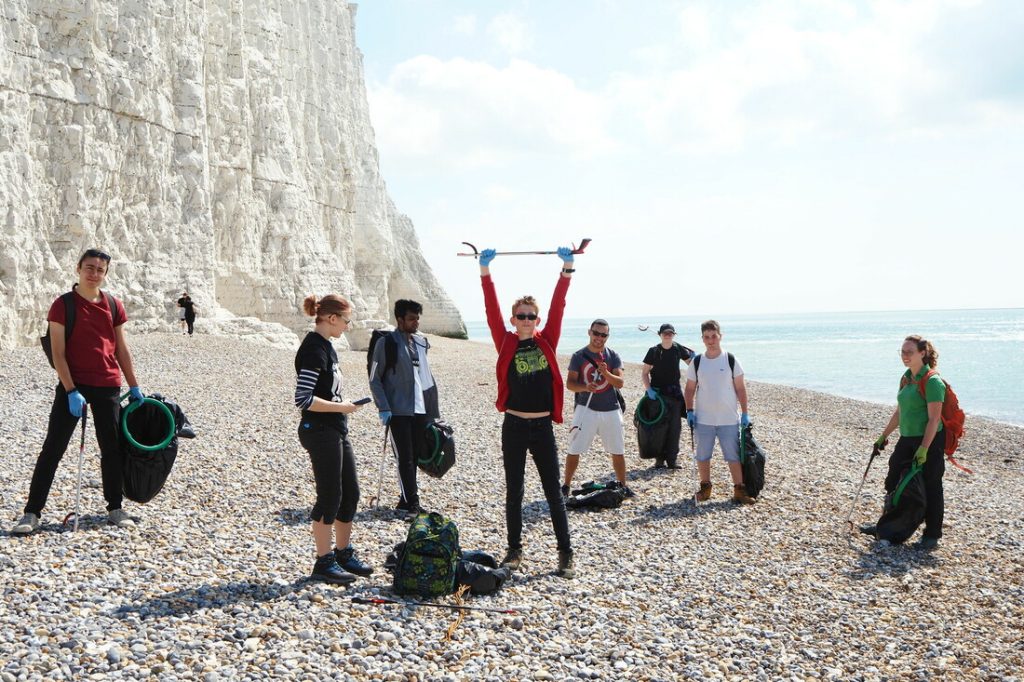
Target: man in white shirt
(714,385)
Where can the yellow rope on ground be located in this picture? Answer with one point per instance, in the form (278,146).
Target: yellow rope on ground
(462,614)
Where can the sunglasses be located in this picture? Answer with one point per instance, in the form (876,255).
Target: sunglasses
(526,316)
(603,335)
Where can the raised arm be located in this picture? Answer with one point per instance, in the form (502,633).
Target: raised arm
(494,320)
(553,327)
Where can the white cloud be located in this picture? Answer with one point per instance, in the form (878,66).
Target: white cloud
(510,32)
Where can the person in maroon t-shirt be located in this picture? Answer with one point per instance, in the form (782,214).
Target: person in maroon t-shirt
(89,367)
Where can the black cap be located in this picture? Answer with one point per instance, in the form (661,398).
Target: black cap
(667,328)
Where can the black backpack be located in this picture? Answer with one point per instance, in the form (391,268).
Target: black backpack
(593,495)
(70,312)
(390,351)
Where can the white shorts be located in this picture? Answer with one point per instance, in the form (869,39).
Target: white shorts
(587,423)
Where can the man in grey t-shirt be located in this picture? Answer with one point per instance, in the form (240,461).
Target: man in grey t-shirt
(595,373)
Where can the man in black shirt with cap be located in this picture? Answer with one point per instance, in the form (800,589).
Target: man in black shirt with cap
(661,377)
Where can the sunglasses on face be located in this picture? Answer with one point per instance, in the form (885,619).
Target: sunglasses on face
(526,316)
(603,335)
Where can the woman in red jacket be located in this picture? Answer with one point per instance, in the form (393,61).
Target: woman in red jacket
(530,393)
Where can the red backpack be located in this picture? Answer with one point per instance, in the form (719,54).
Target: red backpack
(952,417)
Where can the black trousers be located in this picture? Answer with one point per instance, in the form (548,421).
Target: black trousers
(409,440)
(190,320)
(538,437)
(105,412)
(934,468)
(334,472)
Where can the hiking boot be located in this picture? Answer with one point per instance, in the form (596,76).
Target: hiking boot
(740,496)
(327,569)
(704,494)
(926,544)
(29,523)
(348,561)
(120,518)
(566,565)
(513,557)
(869,529)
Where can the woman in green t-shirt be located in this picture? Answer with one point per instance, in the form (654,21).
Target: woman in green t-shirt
(919,418)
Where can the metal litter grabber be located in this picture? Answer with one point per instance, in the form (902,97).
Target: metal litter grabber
(575,249)
(78,484)
(375,500)
(856,498)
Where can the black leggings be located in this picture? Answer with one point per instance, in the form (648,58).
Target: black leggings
(105,411)
(536,435)
(934,467)
(334,471)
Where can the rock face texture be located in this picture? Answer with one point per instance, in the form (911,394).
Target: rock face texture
(218,146)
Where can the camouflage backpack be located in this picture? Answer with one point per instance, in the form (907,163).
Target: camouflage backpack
(427,563)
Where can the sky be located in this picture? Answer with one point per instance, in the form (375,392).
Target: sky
(724,157)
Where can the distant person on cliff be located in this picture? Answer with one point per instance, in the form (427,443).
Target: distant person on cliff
(323,432)
(661,377)
(405,394)
(89,364)
(188,309)
(530,393)
(919,419)
(595,374)
(714,384)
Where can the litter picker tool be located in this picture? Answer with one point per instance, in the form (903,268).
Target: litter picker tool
(455,607)
(575,249)
(856,498)
(375,500)
(78,484)
(696,468)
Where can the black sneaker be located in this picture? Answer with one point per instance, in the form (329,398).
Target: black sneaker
(327,569)
(513,557)
(566,565)
(926,544)
(348,561)
(409,510)
(627,492)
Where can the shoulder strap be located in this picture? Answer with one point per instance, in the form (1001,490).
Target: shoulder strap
(924,380)
(732,364)
(112,304)
(390,352)
(70,311)
(696,364)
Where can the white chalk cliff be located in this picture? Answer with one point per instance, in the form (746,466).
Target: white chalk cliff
(219,146)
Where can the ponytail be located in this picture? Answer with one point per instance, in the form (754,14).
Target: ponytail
(331,304)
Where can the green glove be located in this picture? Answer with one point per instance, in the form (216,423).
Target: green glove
(881,442)
(920,456)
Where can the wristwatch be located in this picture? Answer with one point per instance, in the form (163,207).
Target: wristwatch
(568,271)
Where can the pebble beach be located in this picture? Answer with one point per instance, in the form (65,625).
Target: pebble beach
(211,583)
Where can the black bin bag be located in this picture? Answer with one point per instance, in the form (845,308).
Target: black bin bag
(904,507)
(651,421)
(752,461)
(146,471)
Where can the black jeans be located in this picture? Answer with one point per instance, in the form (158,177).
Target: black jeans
(934,468)
(334,472)
(190,320)
(409,440)
(105,412)
(536,435)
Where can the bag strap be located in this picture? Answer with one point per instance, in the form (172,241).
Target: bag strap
(730,356)
(924,380)
(70,312)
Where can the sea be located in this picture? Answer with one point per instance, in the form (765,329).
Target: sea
(851,354)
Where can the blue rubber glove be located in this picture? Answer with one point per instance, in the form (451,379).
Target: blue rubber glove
(385,417)
(744,419)
(135,393)
(486,256)
(691,418)
(76,401)
(652,394)
(565,253)
(920,455)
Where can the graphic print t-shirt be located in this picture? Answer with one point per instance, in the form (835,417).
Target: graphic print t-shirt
(529,380)
(603,399)
(316,354)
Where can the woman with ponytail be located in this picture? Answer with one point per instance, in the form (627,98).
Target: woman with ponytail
(919,419)
(323,432)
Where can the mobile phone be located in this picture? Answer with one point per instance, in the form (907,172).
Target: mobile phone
(361,401)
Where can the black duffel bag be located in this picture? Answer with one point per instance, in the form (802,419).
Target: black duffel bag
(440,449)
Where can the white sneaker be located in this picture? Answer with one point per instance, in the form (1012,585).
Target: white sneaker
(29,524)
(120,518)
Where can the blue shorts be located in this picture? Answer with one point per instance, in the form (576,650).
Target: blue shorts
(728,438)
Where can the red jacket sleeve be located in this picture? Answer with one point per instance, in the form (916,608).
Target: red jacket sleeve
(553,327)
(494,321)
